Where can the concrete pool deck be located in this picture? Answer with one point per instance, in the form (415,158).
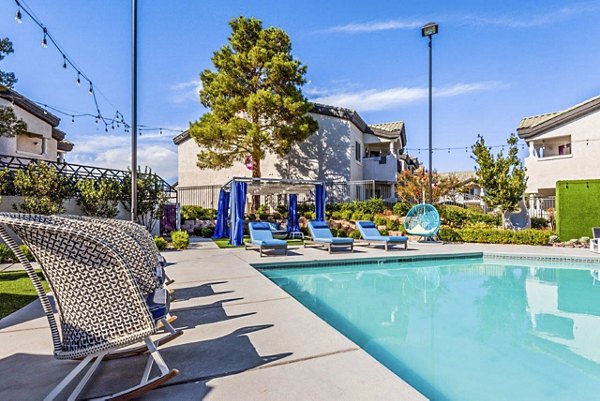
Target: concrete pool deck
(244,337)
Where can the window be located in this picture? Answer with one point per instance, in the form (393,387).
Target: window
(357,151)
(564,149)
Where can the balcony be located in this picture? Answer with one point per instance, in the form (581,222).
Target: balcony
(380,168)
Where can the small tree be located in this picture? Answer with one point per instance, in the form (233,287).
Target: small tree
(151,197)
(99,198)
(10,124)
(255,99)
(43,188)
(501,177)
(413,187)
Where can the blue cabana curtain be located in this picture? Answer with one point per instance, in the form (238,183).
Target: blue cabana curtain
(292,221)
(238,204)
(222,229)
(320,202)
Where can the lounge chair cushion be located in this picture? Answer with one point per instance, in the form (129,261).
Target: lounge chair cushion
(370,233)
(158,303)
(260,232)
(275,243)
(320,230)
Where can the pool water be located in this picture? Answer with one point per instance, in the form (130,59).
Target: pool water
(466,329)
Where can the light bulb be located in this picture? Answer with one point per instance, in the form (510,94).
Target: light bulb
(91,88)
(78,78)
(18,17)
(45,41)
(64,62)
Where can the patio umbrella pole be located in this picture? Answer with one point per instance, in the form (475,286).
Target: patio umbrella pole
(134,113)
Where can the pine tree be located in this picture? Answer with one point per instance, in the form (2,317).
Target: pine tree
(10,124)
(255,99)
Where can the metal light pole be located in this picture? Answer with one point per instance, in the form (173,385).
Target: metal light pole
(134,113)
(429,30)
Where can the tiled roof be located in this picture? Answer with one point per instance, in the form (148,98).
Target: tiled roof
(390,130)
(65,145)
(535,125)
(391,126)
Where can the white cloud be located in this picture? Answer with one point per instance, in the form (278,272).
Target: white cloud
(184,92)
(114,151)
(374,26)
(532,20)
(374,99)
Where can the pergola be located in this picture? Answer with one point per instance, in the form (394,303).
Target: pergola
(232,202)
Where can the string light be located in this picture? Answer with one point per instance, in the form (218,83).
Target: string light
(22,7)
(45,41)
(18,16)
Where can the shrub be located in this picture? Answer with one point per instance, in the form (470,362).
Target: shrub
(6,254)
(207,232)
(455,216)
(356,216)
(354,234)
(393,225)
(539,222)
(99,198)
(160,242)
(281,209)
(263,216)
(342,233)
(449,234)
(496,236)
(368,216)
(334,231)
(276,216)
(180,239)
(401,208)
(251,217)
(380,221)
(26,251)
(336,215)
(43,188)
(347,215)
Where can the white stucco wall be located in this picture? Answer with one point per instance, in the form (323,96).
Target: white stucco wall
(582,163)
(8,146)
(326,155)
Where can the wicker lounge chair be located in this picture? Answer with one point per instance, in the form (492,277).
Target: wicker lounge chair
(261,238)
(100,306)
(321,235)
(369,233)
(142,265)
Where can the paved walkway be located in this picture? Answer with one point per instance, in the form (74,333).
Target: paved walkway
(244,338)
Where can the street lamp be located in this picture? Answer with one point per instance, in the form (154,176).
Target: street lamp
(134,127)
(429,30)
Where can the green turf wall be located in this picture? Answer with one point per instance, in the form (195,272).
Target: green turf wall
(577,208)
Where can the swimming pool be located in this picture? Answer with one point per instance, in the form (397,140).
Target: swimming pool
(468,327)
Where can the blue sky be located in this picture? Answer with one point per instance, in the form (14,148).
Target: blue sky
(494,63)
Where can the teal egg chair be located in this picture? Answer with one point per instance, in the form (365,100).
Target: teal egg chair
(423,220)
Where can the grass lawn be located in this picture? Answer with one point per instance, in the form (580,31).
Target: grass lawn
(223,242)
(16,291)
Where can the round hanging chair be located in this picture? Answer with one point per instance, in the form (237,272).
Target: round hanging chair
(422,220)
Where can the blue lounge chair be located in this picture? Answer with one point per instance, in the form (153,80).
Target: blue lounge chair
(370,234)
(261,237)
(321,234)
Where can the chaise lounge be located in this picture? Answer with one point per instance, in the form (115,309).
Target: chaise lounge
(261,238)
(369,233)
(595,240)
(321,235)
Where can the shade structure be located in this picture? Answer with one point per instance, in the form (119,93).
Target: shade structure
(237,205)
(292,221)
(320,202)
(222,227)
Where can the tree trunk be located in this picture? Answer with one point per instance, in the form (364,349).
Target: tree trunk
(255,174)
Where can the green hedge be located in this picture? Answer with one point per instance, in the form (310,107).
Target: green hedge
(577,208)
(459,217)
(7,256)
(495,236)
